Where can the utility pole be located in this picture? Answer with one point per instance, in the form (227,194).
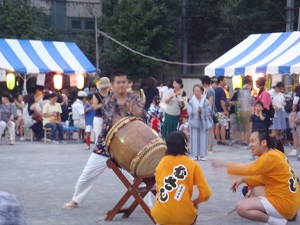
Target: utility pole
(290,4)
(185,36)
(97,47)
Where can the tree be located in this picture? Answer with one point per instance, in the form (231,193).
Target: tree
(19,20)
(147,26)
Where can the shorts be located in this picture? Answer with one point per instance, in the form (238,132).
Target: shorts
(88,128)
(223,121)
(271,211)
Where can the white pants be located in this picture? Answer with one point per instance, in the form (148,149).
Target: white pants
(97,126)
(11,130)
(94,167)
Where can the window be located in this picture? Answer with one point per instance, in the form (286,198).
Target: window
(89,25)
(76,24)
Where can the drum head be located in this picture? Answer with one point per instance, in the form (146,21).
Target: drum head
(145,163)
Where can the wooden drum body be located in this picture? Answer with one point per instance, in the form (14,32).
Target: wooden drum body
(135,147)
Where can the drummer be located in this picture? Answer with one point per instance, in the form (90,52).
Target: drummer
(115,106)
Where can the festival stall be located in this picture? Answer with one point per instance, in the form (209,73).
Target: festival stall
(33,58)
(271,55)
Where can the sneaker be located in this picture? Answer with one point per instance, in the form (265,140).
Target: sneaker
(194,158)
(11,143)
(203,159)
(22,139)
(88,148)
(55,142)
(293,153)
(63,142)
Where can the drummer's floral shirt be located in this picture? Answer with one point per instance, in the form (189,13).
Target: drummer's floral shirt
(112,110)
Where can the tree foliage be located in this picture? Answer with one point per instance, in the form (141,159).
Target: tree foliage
(20,20)
(224,23)
(147,26)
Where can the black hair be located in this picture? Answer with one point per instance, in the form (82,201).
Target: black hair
(179,81)
(176,143)
(151,83)
(205,80)
(7,95)
(220,78)
(52,95)
(259,103)
(16,95)
(276,143)
(156,100)
(264,135)
(89,97)
(297,90)
(92,85)
(118,73)
(280,85)
(60,99)
(185,116)
(46,96)
(170,84)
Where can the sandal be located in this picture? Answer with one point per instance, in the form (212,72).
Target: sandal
(70,205)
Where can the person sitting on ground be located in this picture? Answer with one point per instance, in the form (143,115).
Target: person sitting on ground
(273,171)
(176,174)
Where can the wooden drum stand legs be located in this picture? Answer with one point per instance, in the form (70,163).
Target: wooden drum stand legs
(132,190)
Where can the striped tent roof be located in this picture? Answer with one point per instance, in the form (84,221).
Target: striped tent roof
(260,53)
(32,57)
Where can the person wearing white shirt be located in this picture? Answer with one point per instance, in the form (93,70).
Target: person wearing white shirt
(278,101)
(78,113)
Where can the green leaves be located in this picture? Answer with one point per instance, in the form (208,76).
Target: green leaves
(19,20)
(146,26)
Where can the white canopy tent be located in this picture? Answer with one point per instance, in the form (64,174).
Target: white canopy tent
(275,53)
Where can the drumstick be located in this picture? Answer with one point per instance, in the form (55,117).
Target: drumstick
(231,211)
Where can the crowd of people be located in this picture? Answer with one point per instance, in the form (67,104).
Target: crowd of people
(211,113)
(189,126)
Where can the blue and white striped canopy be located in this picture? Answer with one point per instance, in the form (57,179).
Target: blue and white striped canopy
(33,57)
(276,53)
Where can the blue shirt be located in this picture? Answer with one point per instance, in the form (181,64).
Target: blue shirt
(257,123)
(219,95)
(89,116)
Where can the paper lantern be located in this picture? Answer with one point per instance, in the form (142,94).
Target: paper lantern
(80,81)
(237,81)
(10,81)
(57,80)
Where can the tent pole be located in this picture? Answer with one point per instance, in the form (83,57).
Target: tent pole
(97,47)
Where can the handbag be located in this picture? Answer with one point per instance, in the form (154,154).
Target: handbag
(37,117)
(215,118)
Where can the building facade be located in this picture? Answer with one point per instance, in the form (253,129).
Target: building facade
(71,16)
